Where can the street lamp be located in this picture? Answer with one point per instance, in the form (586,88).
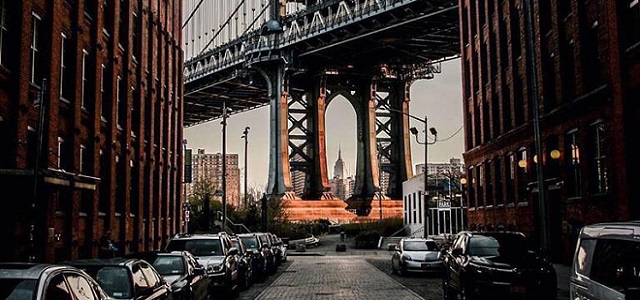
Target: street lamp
(245,136)
(184,187)
(225,115)
(426,143)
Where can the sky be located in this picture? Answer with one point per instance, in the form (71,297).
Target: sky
(440,99)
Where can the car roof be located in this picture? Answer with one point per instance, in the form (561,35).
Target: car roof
(157,253)
(623,230)
(118,261)
(494,233)
(418,239)
(196,236)
(26,270)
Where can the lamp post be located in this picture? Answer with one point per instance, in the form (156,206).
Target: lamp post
(380,178)
(225,115)
(185,204)
(426,143)
(463,183)
(245,136)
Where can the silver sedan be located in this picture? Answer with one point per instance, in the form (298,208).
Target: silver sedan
(416,255)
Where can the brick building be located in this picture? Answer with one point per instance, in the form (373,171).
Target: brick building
(108,77)
(208,168)
(587,73)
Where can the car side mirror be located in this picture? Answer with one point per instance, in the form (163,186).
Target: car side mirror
(233,251)
(199,270)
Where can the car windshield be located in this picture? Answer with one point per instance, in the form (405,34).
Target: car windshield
(499,245)
(17,289)
(236,243)
(114,280)
(265,239)
(203,247)
(420,246)
(250,241)
(169,265)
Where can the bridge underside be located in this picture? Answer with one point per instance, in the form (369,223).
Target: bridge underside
(371,61)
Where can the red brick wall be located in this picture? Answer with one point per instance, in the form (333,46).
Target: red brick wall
(148,161)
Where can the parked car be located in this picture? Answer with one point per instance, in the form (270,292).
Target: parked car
(125,278)
(181,270)
(39,281)
(416,255)
(499,263)
(283,248)
(606,264)
(245,262)
(216,253)
(262,256)
(269,252)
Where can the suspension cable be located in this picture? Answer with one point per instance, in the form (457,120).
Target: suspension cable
(222,26)
(193,12)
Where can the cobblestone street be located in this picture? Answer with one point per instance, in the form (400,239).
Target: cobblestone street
(327,277)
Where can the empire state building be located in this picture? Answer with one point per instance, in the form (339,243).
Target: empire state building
(338,169)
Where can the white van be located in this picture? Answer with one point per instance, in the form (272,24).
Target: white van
(606,263)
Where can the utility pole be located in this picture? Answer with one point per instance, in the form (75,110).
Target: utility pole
(224,165)
(245,136)
(36,172)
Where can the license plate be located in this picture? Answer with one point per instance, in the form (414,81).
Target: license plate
(424,266)
(518,289)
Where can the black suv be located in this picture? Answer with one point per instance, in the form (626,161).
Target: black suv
(216,253)
(264,259)
(496,263)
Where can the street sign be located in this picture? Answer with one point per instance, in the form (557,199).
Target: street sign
(444,203)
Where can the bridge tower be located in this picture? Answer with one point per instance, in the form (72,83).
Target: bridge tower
(367,51)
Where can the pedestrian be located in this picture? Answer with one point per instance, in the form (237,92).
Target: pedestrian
(107,248)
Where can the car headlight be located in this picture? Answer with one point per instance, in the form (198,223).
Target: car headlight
(405,256)
(216,268)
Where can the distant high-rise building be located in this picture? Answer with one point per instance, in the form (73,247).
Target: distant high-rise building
(340,187)
(298,177)
(453,167)
(338,168)
(207,171)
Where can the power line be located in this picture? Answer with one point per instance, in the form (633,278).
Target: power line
(452,135)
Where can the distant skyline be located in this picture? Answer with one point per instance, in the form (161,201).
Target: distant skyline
(440,98)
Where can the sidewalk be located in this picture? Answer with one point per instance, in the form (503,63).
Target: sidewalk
(563,273)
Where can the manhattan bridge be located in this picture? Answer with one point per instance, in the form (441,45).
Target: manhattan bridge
(296,56)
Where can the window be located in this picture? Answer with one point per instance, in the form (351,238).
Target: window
(104,185)
(122,26)
(83,88)
(629,22)
(60,151)
(118,100)
(511,177)
(80,287)
(4,33)
(103,91)
(498,180)
(598,169)
(134,37)
(58,289)
(516,45)
(107,22)
(83,150)
(35,48)
(574,176)
(523,164)
(66,75)
(616,265)
(481,177)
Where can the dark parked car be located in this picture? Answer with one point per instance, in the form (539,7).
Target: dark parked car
(36,281)
(217,254)
(501,263)
(261,255)
(245,262)
(416,255)
(125,278)
(269,252)
(181,270)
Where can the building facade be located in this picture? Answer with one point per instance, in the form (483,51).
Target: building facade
(582,91)
(91,126)
(207,172)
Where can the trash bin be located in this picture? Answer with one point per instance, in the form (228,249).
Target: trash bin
(341,247)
